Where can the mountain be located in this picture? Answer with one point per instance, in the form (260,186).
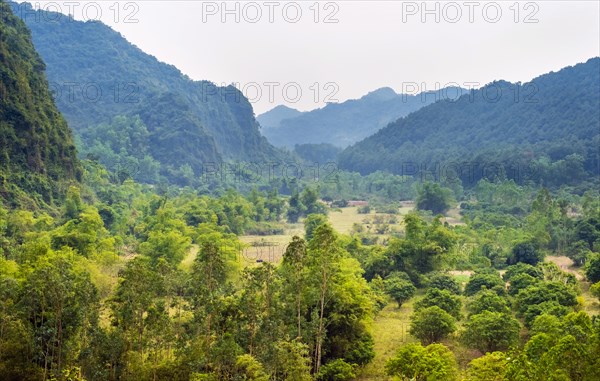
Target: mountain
(342,124)
(526,131)
(97,75)
(37,155)
(272,118)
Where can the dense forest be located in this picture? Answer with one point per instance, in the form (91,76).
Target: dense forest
(522,131)
(328,275)
(37,154)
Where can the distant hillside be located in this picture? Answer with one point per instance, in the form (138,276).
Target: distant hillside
(342,124)
(98,59)
(525,131)
(272,118)
(37,154)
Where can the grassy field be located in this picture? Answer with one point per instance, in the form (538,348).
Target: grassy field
(390,332)
(270,248)
(343,219)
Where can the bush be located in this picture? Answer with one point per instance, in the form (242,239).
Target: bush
(595,290)
(337,370)
(592,271)
(520,282)
(481,280)
(491,331)
(546,292)
(431,324)
(525,252)
(443,299)
(400,288)
(364,209)
(444,282)
(522,268)
(431,196)
(488,300)
(415,362)
(490,367)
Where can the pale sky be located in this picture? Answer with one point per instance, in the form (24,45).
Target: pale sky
(341,50)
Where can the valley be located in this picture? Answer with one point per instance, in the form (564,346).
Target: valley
(393,236)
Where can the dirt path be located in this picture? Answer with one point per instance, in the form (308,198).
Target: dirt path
(566,265)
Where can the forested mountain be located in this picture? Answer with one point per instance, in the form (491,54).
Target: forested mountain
(272,118)
(113,78)
(37,154)
(342,124)
(546,130)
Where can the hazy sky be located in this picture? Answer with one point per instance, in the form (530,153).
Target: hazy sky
(305,53)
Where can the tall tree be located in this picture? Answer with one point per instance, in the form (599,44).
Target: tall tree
(323,257)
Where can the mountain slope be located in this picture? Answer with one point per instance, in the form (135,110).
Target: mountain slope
(272,118)
(113,77)
(342,124)
(552,121)
(37,154)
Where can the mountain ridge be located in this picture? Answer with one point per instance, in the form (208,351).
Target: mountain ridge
(553,116)
(100,60)
(345,123)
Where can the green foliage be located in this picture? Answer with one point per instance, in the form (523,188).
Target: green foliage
(595,290)
(295,208)
(311,222)
(522,268)
(441,298)
(37,155)
(525,252)
(431,196)
(566,350)
(491,331)
(520,282)
(490,281)
(399,288)
(489,367)
(464,138)
(592,271)
(333,273)
(444,281)
(293,361)
(251,369)
(124,147)
(488,300)
(337,370)
(554,298)
(316,153)
(546,292)
(378,290)
(59,303)
(149,112)
(434,362)
(423,248)
(431,324)
(168,246)
(310,200)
